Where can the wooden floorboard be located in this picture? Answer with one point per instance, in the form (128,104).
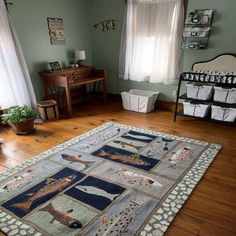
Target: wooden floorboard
(211,208)
(209,229)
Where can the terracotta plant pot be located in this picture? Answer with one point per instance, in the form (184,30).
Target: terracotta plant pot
(24,127)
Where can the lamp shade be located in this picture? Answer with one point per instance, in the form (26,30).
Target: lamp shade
(79,55)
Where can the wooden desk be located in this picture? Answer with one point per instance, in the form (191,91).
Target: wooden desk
(70,78)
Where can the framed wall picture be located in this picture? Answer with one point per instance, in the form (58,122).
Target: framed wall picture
(55,65)
(56,30)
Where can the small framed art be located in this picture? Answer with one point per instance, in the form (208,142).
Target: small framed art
(55,65)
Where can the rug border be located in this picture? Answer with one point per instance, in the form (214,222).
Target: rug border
(154,225)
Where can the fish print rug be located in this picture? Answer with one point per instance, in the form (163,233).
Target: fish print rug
(114,180)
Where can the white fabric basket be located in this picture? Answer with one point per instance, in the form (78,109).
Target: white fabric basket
(197,110)
(225,95)
(139,100)
(223,113)
(200,92)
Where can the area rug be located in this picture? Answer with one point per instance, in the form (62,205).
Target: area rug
(113,180)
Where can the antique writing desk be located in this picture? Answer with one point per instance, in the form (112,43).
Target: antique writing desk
(70,78)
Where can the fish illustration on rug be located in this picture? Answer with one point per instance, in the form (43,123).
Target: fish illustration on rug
(133,178)
(126,144)
(180,155)
(158,147)
(118,224)
(18,181)
(96,191)
(51,186)
(100,138)
(64,218)
(75,159)
(137,136)
(129,159)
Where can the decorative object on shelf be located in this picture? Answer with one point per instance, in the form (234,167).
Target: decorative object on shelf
(196,32)
(80,57)
(56,30)
(194,45)
(73,65)
(20,118)
(55,65)
(197,29)
(106,25)
(200,17)
(211,84)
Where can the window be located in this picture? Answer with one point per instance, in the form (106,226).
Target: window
(151,39)
(15,83)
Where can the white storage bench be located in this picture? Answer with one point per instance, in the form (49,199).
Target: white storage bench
(199,92)
(139,100)
(225,95)
(197,110)
(223,113)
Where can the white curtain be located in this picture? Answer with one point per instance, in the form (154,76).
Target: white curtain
(15,84)
(151,41)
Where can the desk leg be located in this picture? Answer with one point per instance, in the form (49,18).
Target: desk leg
(46,87)
(104,83)
(68,101)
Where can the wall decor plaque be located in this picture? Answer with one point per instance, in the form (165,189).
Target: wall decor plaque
(56,30)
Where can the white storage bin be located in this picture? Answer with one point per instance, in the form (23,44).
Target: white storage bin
(197,110)
(139,100)
(200,92)
(223,113)
(225,95)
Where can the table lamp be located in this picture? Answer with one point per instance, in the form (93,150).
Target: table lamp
(80,57)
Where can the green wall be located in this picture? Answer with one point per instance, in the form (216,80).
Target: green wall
(30,20)
(102,48)
(105,45)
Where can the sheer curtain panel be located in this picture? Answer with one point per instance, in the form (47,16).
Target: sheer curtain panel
(15,84)
(151,40)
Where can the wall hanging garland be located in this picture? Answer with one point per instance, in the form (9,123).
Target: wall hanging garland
(106,25)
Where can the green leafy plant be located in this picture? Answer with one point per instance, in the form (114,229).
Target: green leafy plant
(18,114)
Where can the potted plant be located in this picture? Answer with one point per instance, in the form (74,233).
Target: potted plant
(20,118)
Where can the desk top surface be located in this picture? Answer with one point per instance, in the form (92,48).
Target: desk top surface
(68,70)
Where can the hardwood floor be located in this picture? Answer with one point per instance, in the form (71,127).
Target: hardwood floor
(211,208)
